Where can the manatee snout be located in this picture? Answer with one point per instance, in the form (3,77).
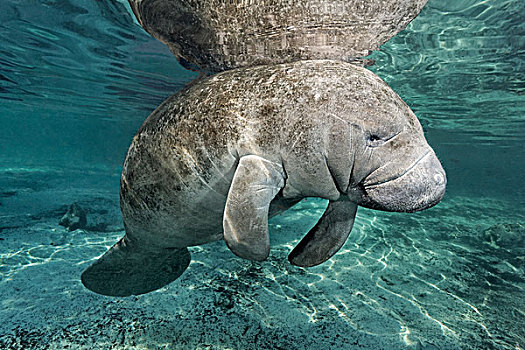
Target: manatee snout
(418,187)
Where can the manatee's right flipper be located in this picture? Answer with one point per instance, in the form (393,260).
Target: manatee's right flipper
(127,269)
(255,184)
(327,236)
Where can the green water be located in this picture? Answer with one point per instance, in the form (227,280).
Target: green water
(77,78)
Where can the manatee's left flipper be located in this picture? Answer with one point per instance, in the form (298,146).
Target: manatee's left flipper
(327,236)
(255,184)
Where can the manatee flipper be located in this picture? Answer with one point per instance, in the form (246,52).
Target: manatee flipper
(327,236)
(255,183)
(128,269)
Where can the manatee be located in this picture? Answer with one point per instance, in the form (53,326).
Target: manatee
(219,158)
(215,35)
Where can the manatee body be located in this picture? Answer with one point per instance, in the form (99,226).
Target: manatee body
(215,35)
(251,143)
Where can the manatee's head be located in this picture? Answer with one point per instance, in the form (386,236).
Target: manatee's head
(394,168)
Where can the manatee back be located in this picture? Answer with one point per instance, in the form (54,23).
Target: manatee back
(216,35)
(181,162)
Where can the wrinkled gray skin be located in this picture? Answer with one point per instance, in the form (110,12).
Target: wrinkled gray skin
(253,142)
(215,35)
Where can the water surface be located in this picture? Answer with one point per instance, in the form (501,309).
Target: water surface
(78,77)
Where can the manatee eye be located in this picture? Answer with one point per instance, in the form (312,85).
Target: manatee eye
(374,140)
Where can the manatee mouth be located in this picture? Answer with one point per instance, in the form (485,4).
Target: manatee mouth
(420,186)
(374,178)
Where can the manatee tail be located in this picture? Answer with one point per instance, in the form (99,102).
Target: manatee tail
(127,269)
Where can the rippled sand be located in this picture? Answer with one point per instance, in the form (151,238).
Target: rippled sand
(451,277)
(78,77)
